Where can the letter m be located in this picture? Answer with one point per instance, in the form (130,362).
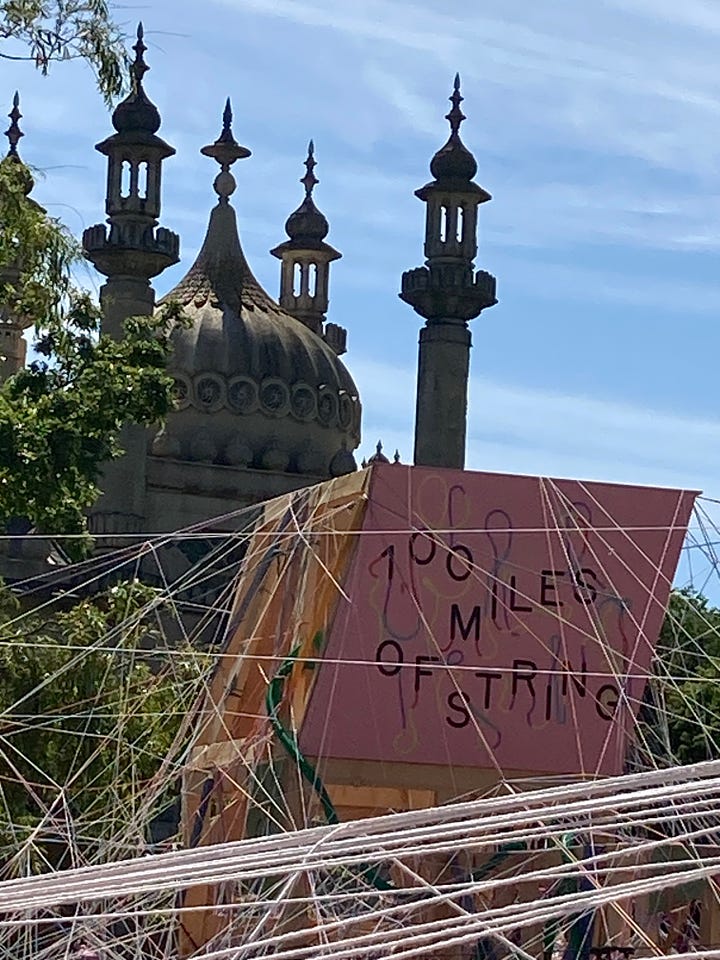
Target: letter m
(456,623)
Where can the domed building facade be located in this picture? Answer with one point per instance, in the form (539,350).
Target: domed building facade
(256,387)
(264,404)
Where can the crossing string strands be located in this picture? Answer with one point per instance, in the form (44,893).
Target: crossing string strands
(87,866)
(598,810)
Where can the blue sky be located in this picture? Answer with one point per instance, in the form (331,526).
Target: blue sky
(596,126)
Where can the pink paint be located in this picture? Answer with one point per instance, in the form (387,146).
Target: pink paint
(516,636)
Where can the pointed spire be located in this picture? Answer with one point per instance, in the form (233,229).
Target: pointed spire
(139,68)
(454,161)
(310,181)
(135,246)
(307,224)
(447,292)
(306,259)
(137,114)
(225,150)
(396,456)
(226,134)
(456,116)
(378,456)
(13,132)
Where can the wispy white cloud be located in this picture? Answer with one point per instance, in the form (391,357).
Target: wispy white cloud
(566,71)
(692,15)
(517,429)
(595,127)
(514,429)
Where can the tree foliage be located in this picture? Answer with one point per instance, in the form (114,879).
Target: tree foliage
(91,702)
(61,417)
(690,652)
(45,31)
(680,718)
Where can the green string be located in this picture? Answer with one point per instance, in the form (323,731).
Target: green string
(273,700)
(288,738)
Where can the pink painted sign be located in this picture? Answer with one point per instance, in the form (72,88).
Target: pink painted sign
(496,621)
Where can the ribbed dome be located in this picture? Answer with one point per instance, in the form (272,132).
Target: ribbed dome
(137,113)
(237,327)
(306,226)
(255,386)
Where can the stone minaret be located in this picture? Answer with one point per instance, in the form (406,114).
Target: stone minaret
(130,254)
(306,259)
(13,348)
(133,250)
(448,293)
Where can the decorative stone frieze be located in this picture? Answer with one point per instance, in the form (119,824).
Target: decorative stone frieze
(243,396)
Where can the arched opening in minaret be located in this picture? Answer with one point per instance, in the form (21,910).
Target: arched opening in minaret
(460,225)
(142,180)
(297,279)
(312,279)
(125,179)
(443,223)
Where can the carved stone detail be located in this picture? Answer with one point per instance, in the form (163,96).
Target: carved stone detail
(274,397)
(327,407)
(303,402)
(242,395)
(346,411)
(165,445)
(275,458)
(182,391)
(209,392)
(238,453)
(343,462)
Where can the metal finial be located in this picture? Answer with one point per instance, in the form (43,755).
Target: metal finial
(226,150)
(456,116)
(378,456)
(226,134)
(396,457)
(13,132)
(139,68)
(309,181)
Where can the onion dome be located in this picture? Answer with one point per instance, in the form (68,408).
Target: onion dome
(137,113)
(378,456)
(306,225)
(454,161)
(255,387)
(447,291)
(133,245)
(306,259)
